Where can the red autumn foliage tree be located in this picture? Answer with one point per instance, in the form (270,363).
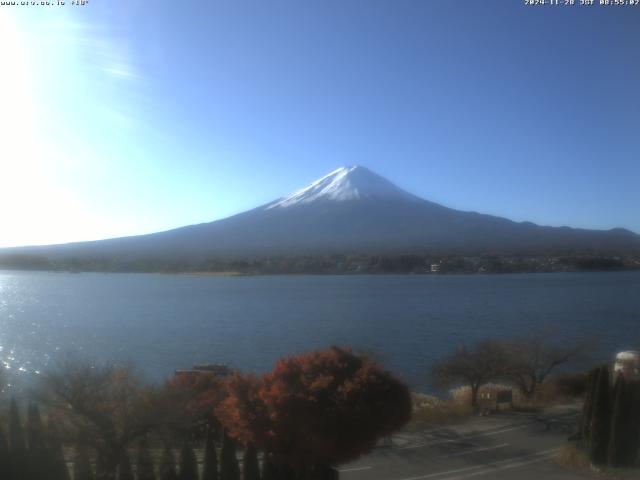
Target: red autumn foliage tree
(191,399)
(243,412)
(316,409)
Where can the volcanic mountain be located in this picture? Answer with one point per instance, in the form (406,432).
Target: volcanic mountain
(352,210)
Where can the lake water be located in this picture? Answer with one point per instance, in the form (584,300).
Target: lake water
(165,322)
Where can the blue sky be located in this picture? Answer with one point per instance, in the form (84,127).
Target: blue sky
(127,117)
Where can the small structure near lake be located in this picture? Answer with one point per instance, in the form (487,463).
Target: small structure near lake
(628,364)
(491,399)
(218,369)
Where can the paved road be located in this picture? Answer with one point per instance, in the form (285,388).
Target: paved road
(502,446)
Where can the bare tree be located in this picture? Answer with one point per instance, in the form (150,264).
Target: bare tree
(105,407)
(531,359)
(473,367)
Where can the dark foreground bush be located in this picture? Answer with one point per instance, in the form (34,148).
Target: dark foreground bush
(571,384)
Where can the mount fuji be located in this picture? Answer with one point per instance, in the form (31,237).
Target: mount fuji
(351,210)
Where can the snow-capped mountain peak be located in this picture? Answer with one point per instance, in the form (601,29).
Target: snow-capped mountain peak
(345,183)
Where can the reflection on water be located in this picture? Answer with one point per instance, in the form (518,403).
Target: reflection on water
(21,344)
(165,322)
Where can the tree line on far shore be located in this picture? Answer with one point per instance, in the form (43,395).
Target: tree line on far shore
(426,263)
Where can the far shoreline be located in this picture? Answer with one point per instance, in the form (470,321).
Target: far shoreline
(206,274)
(237,274)
(335,264)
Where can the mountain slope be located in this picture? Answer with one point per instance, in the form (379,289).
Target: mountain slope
(353,210)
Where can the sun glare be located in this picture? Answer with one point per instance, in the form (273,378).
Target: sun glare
(18,133)
(35,205)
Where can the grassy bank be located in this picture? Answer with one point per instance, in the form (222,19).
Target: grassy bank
(429,410)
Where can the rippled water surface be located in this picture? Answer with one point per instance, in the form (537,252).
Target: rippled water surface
(164,322)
